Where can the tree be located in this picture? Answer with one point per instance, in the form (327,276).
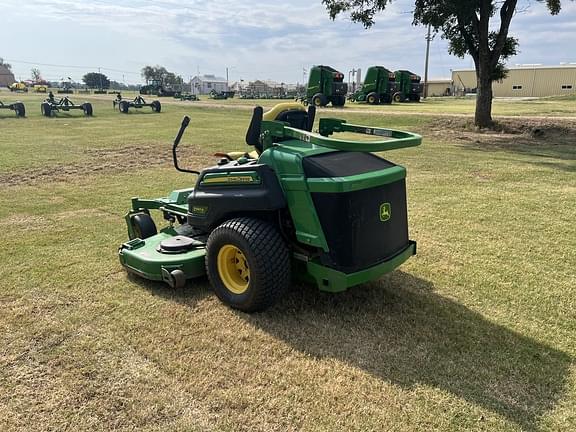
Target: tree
(96,80)
(467,25)
(157,72)
(160,73)
(36,75)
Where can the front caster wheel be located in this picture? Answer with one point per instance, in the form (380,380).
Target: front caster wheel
(175,278)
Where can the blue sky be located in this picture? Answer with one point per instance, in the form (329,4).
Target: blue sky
(254,39)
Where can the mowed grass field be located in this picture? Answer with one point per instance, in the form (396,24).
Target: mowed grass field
(477,332)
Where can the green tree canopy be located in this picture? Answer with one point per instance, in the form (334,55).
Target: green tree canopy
(160,73)
(96,80)
(478,28)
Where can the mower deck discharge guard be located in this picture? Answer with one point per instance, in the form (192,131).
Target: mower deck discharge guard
(302,204)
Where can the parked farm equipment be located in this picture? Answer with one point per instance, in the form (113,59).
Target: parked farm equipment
(18,107)
(186,97)
(157,88)
(138,102)
(19,87)
(51,106)
(220,95)
(410,88)
(298,205)
(325,85)
(379,87)
(66,88)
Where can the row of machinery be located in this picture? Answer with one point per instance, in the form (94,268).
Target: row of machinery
(381,86)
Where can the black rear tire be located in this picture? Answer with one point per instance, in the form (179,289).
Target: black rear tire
(319,100)
(156,106)
(266,256)
(143,226)
(46,109)
(20,109)
(123,107)
(398,97)
(373,98)
(87,107)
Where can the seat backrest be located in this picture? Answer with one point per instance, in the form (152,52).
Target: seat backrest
(292,113)
(253,133)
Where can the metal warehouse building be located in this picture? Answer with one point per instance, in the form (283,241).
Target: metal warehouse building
(524,81)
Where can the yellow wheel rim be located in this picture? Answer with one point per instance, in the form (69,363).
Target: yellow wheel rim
(317,102)
(233,269)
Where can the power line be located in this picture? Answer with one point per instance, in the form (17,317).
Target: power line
(72,66)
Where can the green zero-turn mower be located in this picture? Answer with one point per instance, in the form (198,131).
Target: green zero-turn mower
(301,205)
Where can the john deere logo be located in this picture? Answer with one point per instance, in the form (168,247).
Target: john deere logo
(385,212)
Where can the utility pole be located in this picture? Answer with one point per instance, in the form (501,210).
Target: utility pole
(428,40)
(227,79)
(100,76)
(350,74)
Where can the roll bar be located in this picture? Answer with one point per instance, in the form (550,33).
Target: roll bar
(394,139)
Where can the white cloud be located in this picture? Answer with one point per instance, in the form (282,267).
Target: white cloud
(273,39)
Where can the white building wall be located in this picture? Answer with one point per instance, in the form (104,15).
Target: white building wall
(204,85)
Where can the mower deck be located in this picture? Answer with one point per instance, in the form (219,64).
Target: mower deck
(143,257)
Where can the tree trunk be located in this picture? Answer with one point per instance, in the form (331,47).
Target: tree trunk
(483,118)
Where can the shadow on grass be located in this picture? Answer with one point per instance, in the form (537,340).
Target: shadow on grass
(194,291)
(402,332)
(136,111)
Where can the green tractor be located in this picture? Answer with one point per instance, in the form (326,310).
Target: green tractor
(325,85)
(301,205)
(410,88)
(157,88)
(379,87)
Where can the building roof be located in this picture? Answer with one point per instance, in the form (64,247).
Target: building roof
(529,66)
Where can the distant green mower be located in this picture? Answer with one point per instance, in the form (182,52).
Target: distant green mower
(302,205)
